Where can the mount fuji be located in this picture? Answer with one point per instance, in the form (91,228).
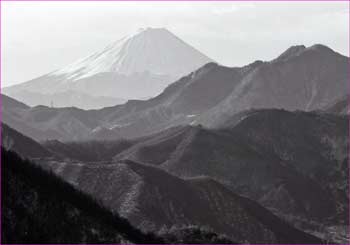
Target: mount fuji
(137,66)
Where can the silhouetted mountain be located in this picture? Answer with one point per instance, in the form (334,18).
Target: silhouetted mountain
(136,66)
(300,78)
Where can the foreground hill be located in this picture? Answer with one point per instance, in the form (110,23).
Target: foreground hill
(37,207)
(152,199)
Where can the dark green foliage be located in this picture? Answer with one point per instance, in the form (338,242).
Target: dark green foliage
(38,207)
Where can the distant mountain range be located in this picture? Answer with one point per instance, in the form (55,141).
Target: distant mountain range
(299,79)
(137,66)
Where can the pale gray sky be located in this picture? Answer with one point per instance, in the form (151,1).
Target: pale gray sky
(39,37)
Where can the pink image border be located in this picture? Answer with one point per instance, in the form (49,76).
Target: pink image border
(1,51)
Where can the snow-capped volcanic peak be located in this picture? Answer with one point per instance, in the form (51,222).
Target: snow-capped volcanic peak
(153,50)
(138,66)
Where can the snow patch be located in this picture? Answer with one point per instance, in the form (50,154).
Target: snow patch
(153,50)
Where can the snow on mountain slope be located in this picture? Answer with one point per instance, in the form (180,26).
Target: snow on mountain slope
(154,50)
(137,66)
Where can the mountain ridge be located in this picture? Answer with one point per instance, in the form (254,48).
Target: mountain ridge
(208,96)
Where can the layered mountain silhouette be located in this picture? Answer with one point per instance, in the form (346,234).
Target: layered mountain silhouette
(236,150)
(294,163)
(38,207)
(299,79)
(151,199)
(137,66)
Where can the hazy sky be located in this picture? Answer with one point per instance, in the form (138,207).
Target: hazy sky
(39,37)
